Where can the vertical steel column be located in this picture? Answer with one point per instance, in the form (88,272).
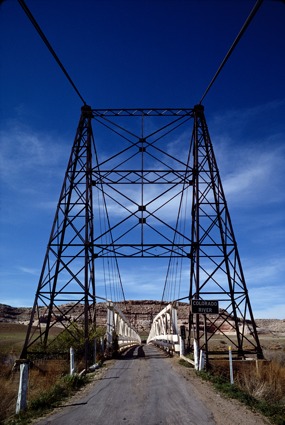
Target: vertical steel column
(195,235)
(216,270)
(89,275)
(68,268)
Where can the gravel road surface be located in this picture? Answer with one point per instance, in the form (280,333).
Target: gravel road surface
(142,388)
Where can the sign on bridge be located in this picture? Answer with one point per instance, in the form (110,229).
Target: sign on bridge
(205,306)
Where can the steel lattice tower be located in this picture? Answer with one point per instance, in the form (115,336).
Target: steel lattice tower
(216,270)
(142,158)
(68,267)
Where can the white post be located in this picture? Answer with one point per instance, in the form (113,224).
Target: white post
(231,365)
(196,354)
(110,324)
(23,388)
(202,360)
(174,320)
(71,351)
(182,346)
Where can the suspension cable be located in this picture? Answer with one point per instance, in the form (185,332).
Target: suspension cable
(177,233)
(47,43)
(240,34)
(108,223)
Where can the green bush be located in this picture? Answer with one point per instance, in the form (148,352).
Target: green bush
(74,337)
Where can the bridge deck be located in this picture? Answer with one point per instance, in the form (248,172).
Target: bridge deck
(141,388)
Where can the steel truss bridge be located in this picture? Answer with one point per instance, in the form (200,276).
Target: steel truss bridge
(143,184)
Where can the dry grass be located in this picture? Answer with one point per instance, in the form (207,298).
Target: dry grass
(8,385)
(44,375)
(260,384)
(11,341)
(41,377)
(266,381)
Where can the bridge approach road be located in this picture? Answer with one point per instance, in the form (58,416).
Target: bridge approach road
(142,388)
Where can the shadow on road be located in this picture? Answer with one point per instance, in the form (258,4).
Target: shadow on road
(72,404)
(109,377)
(139,352)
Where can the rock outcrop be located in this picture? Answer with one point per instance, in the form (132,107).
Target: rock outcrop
(140,314)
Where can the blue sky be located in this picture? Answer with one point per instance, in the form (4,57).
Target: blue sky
(147,53)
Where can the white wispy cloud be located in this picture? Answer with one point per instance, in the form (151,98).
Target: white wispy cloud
(260,273)
(237,121)
(28,158)
(256,175)
(30,270)
(268,302)
(252,167)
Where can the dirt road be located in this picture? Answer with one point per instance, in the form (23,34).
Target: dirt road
(142,388)
(146,387)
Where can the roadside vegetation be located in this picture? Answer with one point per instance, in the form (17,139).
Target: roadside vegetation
(261,388)
(261,385)
(48,399)
(49,380)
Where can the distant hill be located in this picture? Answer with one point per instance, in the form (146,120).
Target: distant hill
(139,312)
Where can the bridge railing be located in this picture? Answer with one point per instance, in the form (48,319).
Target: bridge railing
(164,329)
(119,328)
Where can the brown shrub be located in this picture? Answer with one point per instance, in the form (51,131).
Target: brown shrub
(267,382)
(264,380)
(8,385)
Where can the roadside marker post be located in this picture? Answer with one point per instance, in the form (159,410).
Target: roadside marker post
(202,360)
(23,388)
(182,346)
(196,354)
(231,365)
(72,370)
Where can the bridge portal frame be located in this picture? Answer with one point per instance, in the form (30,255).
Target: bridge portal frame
(73,244)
